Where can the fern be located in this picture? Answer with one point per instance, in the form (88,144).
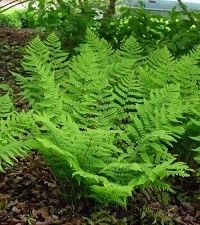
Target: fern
(97,110)
(85,75)
(162,69)
(105,119)
(6,103)
(93,160)
(43,94)
(130,50)
(57,57)
(43,88)
(125,61)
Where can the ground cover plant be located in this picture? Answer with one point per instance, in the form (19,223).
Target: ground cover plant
(107,120)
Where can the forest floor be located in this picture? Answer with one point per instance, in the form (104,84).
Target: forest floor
(31,195)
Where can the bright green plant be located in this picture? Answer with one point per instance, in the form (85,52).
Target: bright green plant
(196,136)
(6,104)
(107,121)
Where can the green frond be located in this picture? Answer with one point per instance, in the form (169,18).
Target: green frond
(6,106)
(128,93)
(131,50)
(125,61)
(85,76)
(97,110)
(35,49)
(41,90)
(58,58)
(157,121)
(186,73)
(112,193)
(157,69)
(99,47)
(196,122)
(168,168)
(15,137)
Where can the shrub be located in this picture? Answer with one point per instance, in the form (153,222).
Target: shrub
(11,19)
(70,20)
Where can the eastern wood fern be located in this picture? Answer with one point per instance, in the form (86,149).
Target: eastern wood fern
(106,118)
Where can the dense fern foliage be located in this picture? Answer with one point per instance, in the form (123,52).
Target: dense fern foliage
(108,119)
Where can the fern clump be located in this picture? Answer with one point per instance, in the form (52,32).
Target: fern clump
(106,119)
(96,162)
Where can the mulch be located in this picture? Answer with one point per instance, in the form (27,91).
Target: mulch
(31,195)
(18,37)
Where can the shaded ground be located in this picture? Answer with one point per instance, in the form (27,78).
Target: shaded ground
(31,195)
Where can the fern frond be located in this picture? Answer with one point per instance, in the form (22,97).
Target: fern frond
(157,69)
(6,106)
(125,61)
(97,110)
(196,122)
(41,90)
(99,47)
(58,58)
(128,93)
(112,193)
(85,76)
(157,121)
(131,50)
(35,49)
(15,137)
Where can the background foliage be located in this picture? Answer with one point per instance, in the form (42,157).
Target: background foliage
(179,31)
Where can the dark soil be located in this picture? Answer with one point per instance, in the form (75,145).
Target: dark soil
(31,195)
